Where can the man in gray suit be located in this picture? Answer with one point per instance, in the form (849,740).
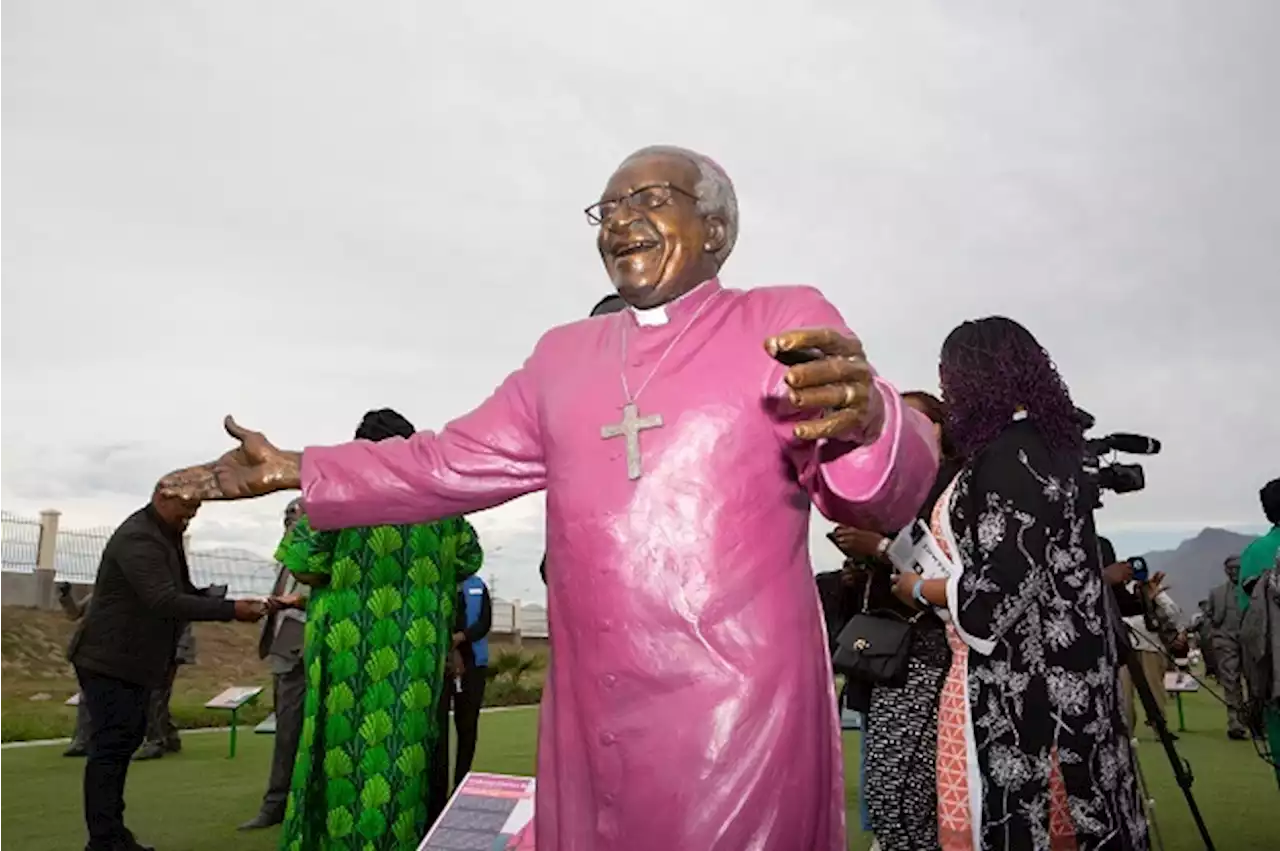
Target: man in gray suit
(162,734)
(281,645)
(1224,615)
(75,611)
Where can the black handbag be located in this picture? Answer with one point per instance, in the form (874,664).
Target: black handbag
(873,648)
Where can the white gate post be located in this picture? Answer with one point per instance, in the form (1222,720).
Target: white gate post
(46,560)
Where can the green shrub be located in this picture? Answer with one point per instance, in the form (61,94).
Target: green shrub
(514,666)
(506,693)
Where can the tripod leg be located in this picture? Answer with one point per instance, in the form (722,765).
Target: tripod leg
(1148,804)
(1180,769)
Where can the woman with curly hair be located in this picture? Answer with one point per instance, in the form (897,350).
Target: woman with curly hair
(1032,748)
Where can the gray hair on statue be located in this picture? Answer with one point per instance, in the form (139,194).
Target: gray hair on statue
(714,189)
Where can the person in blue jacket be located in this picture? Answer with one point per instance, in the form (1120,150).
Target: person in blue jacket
(465,677)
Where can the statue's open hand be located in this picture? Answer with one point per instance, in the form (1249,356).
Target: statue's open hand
(829,372)
(253,468)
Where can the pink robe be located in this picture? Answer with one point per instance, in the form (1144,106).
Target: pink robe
(689,702)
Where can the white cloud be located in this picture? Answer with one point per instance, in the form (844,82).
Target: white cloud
(296,212)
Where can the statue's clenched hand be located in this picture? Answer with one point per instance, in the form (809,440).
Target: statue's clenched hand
(253,468)
(829,373)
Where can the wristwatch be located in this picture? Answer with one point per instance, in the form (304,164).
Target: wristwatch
(882,549)
(916,595)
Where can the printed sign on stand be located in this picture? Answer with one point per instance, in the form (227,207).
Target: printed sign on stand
(234,697)
(488,812)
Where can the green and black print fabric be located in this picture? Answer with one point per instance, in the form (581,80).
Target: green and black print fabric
(376,640)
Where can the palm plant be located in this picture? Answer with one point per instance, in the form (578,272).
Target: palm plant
(514,665)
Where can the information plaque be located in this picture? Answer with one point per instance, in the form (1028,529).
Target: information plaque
(234,697)
(488,812)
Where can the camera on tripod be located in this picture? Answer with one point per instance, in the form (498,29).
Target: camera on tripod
(1110,474)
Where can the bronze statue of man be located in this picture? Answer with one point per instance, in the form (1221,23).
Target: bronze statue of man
(680,443)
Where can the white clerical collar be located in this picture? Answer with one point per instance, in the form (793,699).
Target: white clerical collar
(652,317)
(1019,416)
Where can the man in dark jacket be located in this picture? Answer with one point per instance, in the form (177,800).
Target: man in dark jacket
(142,599)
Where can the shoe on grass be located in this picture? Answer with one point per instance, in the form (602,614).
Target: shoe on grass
(262,820)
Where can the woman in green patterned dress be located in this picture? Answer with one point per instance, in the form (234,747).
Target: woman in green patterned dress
(378,631)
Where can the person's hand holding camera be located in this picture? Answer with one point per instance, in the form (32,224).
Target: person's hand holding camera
(1117,574)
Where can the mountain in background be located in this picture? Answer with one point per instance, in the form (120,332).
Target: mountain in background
(1196,565)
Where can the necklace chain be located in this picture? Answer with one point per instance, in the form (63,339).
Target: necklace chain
(626,388)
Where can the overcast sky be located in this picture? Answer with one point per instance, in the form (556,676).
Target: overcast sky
(296,211)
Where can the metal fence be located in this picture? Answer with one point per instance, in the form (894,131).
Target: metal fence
(244,577)
(78,552)
(19,541)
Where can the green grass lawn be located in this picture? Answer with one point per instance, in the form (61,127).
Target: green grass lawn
(193,801)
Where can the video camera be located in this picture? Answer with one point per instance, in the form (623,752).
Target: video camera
(1111,474)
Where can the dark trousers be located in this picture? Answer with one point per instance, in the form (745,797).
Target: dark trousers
(117,721)
(466,719)
(160,727)
(290,690)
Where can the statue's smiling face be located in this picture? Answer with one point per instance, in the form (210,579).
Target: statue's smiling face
(655,244)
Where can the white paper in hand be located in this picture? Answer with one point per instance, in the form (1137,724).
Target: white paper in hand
(917,551)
